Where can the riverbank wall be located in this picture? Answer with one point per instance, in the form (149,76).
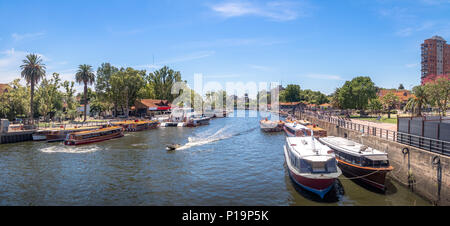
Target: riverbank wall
(15,137)
(425,173)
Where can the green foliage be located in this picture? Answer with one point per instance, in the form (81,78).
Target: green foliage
(15,102)
(32,71)
(126,87)
(438,93)
(375,105)
(419,100)
(162,81)
(48,96)
(86,76)
(292,93)
(389,101)
(355,94)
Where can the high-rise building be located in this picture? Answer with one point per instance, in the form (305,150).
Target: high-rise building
(435,58)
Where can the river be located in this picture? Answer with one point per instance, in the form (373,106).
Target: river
(229,162)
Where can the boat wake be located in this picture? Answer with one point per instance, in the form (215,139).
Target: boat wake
(70,150)
(221,134)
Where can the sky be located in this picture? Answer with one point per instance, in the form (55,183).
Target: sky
(316,44)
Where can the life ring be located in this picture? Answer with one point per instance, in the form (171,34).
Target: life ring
(436,160)
(405,151)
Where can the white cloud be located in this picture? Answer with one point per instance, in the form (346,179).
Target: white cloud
(275,10)
(325,76)
(19,37)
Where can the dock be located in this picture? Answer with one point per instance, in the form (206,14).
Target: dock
(15,137)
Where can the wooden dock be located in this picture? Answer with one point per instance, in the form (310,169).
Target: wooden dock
(15,137)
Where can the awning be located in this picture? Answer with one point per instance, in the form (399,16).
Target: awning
(159,108)
(377,157)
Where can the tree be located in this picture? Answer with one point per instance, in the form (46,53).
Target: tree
(419,100)
(49,97)
(438,92)
(355,94)
(85,75)
(375,105)
(15,102)
(126,86)
(401,86)
(69,100)
(162,81)
(389,101)
(32,71)
(292,93)
(103,85)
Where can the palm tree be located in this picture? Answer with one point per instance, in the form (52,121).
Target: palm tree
(86,76)
(32,70)
(418,101)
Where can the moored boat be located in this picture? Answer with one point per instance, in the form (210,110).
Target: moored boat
(359,161)
(311,164)
(136,125)
(60,134)
(295,130)
(198,121)
(98,135)
(271,126)
(40,135)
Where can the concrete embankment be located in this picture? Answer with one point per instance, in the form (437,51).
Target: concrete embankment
(426,173)
(15,137)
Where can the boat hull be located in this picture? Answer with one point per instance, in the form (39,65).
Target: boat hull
(373,177)
(39,137)
(94,140)
(319,184)
(269,127)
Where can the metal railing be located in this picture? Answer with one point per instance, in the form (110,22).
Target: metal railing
(425,143)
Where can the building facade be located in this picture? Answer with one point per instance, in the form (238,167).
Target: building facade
(435,58)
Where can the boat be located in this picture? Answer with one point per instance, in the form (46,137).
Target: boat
(310,164)
(57,135)
(318,132)
(172,147)
(271,126)
(198,121)
(136,125)
(359,161)
(294,129)
(98,135)
(40,135)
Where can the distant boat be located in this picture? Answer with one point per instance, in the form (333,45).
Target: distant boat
(137,125)
(99,135)
(311,164)
(359,161)
(271,126)
(198,121)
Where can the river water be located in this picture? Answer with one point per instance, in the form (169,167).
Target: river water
(229,162)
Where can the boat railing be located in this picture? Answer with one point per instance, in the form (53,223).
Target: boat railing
(425,143)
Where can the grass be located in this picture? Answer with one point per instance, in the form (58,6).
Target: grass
(384,119)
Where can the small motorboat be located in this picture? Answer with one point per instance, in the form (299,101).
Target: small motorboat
(271,126)
(172,147)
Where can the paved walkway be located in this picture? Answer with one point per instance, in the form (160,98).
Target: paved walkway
(388,126)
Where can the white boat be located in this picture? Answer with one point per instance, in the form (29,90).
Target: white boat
(296,130)
(311,165)
(40,135)
(359,161)
(271,126)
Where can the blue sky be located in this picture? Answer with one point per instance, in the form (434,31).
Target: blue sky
(316,44)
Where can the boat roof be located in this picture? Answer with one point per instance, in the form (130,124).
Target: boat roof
(295,126)
(98,130)
(352,147)
(303,147)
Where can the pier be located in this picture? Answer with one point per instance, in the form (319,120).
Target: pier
(15,137)
(425,172)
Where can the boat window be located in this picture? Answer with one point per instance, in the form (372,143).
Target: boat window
(318,167)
